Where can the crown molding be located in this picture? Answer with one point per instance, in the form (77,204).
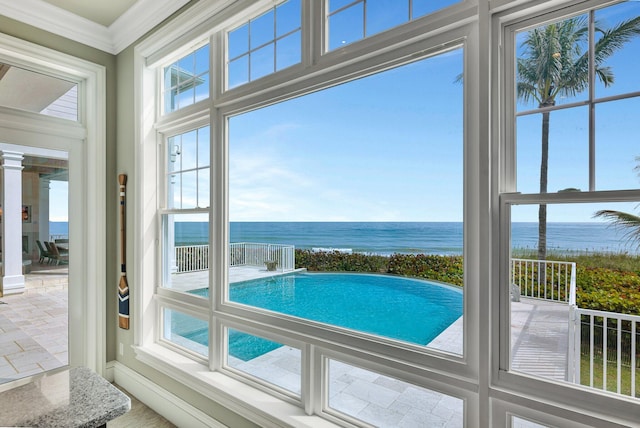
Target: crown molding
(143,16)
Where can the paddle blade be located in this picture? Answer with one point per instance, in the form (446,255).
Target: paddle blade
(123,303)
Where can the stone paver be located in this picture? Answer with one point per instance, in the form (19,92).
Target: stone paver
(34,326)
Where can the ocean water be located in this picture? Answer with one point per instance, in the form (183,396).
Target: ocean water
(399,237)
(407,237)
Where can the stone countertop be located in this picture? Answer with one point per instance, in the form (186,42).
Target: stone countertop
(77,397)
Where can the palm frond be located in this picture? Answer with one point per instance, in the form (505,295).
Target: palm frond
(626,222)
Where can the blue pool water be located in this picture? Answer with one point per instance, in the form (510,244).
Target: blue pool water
(410,310)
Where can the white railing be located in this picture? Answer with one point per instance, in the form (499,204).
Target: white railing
(609,339)
(194,258)
(545,279)
(252,254)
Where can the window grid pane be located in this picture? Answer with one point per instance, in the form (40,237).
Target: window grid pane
(350,21)
(186,331)
(266,44)
(186,81)
(188,169)
(265,359)
(385,401)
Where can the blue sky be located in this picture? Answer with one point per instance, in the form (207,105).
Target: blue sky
(389,147)
(58,201)
(382,148)
(617,133)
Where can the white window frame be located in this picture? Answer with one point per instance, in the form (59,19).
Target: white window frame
(85,142)
(449,374)
(554,403)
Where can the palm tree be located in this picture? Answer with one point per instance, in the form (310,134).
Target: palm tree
(556,63)
(630,222)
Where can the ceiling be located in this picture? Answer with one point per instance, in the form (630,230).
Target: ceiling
(108,25)
(99,11)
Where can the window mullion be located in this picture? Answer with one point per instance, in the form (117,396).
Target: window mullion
(592,106)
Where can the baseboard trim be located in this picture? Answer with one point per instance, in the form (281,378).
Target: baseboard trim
(166,404)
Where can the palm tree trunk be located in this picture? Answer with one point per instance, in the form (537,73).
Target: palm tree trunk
(542,210)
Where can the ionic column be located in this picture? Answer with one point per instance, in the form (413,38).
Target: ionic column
(12,277)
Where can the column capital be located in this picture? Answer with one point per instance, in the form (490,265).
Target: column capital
(11,160)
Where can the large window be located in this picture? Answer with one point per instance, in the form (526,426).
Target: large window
(424,227)
(574,307)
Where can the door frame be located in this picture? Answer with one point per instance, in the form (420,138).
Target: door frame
(85,142)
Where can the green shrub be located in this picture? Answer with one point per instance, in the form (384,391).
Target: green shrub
(429,266)
(335,261)
(439,268)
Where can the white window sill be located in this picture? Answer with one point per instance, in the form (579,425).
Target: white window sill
(251,403)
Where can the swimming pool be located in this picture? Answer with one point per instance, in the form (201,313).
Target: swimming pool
(405,309)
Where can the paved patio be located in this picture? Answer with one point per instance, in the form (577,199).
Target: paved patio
(34,325)
(33,339)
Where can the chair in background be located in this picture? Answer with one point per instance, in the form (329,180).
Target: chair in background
(44,254)
(55,254)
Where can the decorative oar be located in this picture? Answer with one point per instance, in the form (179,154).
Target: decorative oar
(123,287)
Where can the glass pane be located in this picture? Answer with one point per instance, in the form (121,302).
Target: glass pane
(187,66)
(567,289)
(238,72)
(189,190)
(622,59)
(617,154)
(261,30)
(269,361)
(203,187)
(189,150)
(187,80)
(568,155)
(202,60)
(288,17)
(288,51)
(388,402)
(174,190)
(385,14)
(315,183)
(186,331)
(204,147)
(186,252)
(559,79)
(337,4)
(238,41)
(346,26)
(38,93)
(423,7)
(170,76)
(201,87)
(188,169)
(185,96)
(517,422)
(262,62)
(170,102)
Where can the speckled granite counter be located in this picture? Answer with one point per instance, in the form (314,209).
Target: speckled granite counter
(77,397)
